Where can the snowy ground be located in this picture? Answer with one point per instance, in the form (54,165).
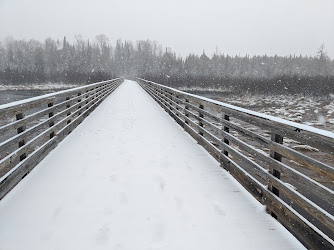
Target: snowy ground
(130,178)
(313,111)
(45,86)
(316,111)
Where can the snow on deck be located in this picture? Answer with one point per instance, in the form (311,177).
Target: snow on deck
(130,178)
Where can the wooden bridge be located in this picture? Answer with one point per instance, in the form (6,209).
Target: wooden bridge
(129,178)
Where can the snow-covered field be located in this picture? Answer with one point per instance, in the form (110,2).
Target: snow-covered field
(317,111)
(129,177)
(309,110)
(313,111)
(11,93)
(45,86)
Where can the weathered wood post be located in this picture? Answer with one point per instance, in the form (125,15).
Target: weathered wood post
(20,130)
(79,100)
(186,107)
(165,97)
(199,122)
(51,123)
(177,101)
(94,95)
(105,86)
(87,96)
(227,130)
(68,105)
(159,92)
(278,139)
(102,90)
(170,100)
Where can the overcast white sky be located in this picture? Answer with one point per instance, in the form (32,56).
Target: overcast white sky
(187,26)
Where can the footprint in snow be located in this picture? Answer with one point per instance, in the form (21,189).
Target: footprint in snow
(218,208)
(123,198)
(108,210)
(45,236)
(179,203)
(158,232)
(162,183)
(113,178)
(103,235)
(56,212)
(118,247)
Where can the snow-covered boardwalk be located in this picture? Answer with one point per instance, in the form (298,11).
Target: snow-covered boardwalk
(129,177)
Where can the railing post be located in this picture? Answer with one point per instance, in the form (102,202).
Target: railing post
(156,90)
(186,107)
(227,130)
(68,106)
(94,95)
(50,104)
(278,139)
(104,90)
(161,94)
(177,107)
(79,107)
(199,122)
(87,96)
(165,96)
(177,97)
(21,129)
(170,101)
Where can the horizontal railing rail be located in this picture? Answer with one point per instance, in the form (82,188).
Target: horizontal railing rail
(286,166)
(31,128)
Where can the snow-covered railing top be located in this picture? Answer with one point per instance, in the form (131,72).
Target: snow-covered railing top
(31,128)
(284,124)
(287,166)
(28,101)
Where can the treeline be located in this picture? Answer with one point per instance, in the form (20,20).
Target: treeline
(84,61)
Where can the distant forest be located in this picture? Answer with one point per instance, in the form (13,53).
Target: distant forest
(84,61)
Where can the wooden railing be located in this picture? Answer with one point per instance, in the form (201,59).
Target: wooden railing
(31,128)
(264,154)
